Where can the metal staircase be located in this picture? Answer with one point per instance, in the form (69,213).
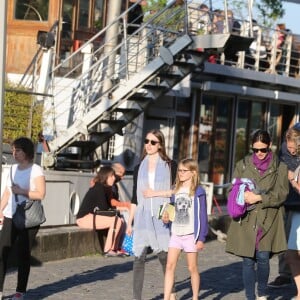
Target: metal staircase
(116,82)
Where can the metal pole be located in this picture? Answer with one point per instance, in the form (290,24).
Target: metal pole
(250,8)
(111,39)
(3,14)
(226,16)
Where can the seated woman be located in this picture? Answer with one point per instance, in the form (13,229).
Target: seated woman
(98,196)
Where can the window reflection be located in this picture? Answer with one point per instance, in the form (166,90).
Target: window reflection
(33,10)
(214,133)
(98,16)
(251,117)
(84,14)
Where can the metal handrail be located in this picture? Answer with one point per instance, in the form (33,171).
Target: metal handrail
(89,85)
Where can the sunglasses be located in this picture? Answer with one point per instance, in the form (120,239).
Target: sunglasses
(153,143)
(262,150)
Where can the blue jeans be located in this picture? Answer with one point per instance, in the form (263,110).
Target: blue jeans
(261,274)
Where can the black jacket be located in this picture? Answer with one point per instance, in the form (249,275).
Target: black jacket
(96,196)
(292,201)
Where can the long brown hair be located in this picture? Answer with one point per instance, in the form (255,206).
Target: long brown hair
(191,165)
(162,149)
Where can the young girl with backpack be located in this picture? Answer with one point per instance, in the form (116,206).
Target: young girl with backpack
(189,227)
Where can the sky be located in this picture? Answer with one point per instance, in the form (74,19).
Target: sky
(291,17)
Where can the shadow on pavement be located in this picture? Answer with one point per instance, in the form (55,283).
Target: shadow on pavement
(108,272)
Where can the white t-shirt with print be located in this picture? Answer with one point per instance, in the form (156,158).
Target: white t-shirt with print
(184,213)
(25,179)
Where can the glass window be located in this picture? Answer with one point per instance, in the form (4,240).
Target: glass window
(182,128)
(99,14)
(67,24)
(251,116)
(214,130)
(280,119)
(274,124)
(33,10)
(84,8)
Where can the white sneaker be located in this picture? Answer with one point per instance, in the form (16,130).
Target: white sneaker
(18,296)
(261,298)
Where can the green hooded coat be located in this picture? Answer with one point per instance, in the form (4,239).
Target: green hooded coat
(267,215)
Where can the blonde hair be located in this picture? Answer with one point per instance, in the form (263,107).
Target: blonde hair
(193,166)
(293,135)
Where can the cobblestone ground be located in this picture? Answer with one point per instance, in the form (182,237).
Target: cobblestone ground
(96,277)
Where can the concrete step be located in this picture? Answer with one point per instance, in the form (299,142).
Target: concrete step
(62,242)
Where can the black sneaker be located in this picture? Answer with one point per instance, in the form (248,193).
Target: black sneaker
(280,281)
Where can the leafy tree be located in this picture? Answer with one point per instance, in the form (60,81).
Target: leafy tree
(22,115)
(271,10)
(268,11)
(155,5)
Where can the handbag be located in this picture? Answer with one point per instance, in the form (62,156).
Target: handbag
(107,213)
(127,244)
(29,213)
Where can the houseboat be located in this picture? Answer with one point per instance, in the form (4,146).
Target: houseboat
(106,75)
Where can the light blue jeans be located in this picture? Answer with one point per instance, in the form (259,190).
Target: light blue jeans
(260,273)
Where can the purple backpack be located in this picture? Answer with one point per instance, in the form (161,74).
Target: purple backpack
(234,209)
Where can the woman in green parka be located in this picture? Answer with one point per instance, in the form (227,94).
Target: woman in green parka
(260,232)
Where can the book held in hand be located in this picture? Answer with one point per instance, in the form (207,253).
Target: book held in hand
(169,208)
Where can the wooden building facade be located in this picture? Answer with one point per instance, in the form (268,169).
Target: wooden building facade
(74,21)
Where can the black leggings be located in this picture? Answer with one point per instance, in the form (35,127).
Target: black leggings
(139,272)
(24,240)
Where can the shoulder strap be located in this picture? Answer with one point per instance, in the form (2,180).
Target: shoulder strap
(12,182)
(11,177)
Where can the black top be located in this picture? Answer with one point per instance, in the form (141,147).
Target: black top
(173,166)
(292,201)
(96,196)
(115,191)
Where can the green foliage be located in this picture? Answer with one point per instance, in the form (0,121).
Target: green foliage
(266,11)
(155,5)
(172,18)
(270,10)
(22,116)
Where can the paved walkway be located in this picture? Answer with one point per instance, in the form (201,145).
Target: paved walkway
(96,277)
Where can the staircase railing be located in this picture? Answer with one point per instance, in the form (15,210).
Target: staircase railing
(91,65)
(91,75)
